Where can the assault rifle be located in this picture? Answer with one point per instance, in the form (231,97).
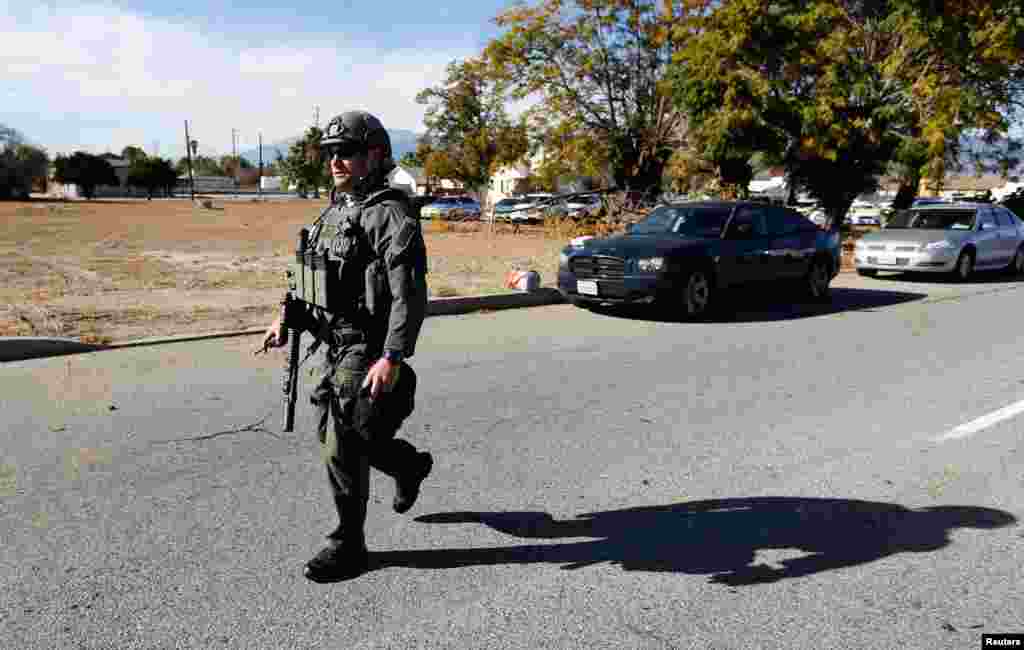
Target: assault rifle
(291,371)
(292,337)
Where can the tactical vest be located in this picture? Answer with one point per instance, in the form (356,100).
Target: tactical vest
(331,273)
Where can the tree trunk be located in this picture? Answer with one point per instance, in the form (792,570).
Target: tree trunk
(906,193)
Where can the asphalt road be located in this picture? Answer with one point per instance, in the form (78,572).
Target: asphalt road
(782,477)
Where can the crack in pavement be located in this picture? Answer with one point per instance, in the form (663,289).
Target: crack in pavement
(254,427)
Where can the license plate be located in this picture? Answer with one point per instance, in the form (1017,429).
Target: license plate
(886,261)
(586,287)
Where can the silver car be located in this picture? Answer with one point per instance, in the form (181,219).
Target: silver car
(956,238)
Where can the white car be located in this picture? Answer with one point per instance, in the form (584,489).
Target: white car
(956,238)
(578,206)
(864,213)
(524,207)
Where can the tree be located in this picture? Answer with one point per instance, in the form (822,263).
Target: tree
(598,68)
(410,159)
(201,166)
(153,174)
(85,170)
(841,89)
(469,132)
(305,167)
(21,165)
(232,165)
(10,136)
(133,154)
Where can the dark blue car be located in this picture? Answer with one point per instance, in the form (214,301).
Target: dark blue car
(683,254)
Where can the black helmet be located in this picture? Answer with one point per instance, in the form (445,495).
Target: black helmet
(355,132)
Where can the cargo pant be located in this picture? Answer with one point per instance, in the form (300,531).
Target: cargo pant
(356,433)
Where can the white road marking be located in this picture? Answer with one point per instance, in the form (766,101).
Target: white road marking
(984,422)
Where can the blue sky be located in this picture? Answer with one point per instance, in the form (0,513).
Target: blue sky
(98,76)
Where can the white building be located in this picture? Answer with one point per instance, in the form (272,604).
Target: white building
(270,183)
(512,180)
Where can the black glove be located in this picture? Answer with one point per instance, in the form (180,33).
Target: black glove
(297,316)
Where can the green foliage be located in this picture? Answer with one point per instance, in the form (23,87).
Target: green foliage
(85,170)
(597,70)
(201,166)
(305,166)
(133,154)
(842,91)
(232,165)
(469,134)
(153,174)
(410,159)
(21,167)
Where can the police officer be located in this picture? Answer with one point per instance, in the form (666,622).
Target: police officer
(377,301)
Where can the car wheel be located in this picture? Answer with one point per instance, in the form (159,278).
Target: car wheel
(697,290)
(817,280)
(1017,264)
(867,273)
(964,266)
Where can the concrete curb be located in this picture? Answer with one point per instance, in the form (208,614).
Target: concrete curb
(21,348)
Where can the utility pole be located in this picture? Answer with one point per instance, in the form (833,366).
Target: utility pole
(234,157)
(259,181)
(316,116)
(188,152)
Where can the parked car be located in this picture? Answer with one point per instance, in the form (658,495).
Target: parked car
(929,200)
(683,254)
(578,206)
(505,207)
(452,207)
(522,209)
(956,238)
(864,213)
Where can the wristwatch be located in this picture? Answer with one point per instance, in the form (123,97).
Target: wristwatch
(394,356)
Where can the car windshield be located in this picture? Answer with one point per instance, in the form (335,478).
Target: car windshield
(685,220)
(933,219)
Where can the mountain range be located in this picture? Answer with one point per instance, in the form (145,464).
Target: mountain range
(402,142)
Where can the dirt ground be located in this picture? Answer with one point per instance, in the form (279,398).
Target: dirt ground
(114,270)
(117,270)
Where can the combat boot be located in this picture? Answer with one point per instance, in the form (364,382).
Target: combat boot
(407,485)
(345,555)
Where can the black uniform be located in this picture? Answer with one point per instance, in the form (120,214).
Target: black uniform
(380,306)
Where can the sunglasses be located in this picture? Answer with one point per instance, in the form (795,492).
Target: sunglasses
(344,149)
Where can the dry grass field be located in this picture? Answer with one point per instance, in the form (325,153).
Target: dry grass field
(116,270)
(110,270)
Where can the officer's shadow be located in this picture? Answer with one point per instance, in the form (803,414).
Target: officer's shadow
(721,538)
